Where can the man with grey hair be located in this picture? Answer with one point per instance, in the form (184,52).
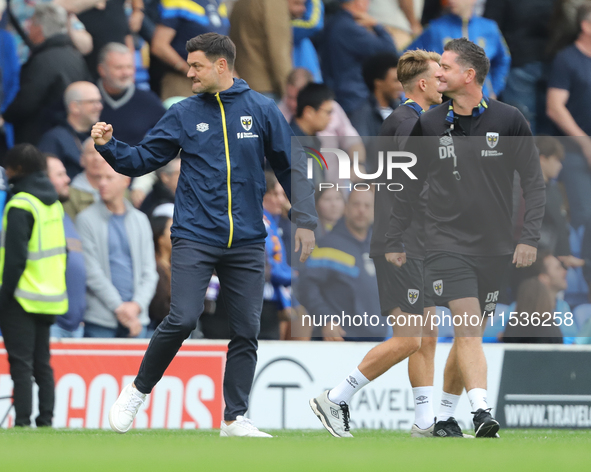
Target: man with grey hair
(83,104)
(53,65)
(133,111)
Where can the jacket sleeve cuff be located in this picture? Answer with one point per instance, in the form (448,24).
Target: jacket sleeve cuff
(529,242)
(394,245)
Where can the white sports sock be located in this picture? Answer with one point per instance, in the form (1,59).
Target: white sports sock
(344,391)
(447,407)
(477,398)
(423,406)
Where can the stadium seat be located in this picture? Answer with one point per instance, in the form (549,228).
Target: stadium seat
(582,314)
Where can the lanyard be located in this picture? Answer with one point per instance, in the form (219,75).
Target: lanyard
(450,118)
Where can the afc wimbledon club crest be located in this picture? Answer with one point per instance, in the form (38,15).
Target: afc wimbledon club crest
(492,139)
(438,287)
(413,295)
(246,122)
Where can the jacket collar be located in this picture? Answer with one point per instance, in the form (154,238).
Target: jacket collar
(476,111)
(121,101)
(58,40)
(414,105)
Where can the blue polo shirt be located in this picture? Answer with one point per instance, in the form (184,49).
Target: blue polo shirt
(190,18)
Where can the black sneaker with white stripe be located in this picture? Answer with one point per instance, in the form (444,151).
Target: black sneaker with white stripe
(485,425)
(447,429)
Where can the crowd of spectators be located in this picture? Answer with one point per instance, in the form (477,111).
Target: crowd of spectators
(331,67)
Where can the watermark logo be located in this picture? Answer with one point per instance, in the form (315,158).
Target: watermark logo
(314,154)
(387,162)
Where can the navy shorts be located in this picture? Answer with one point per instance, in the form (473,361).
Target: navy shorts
(401,287)
(450,276)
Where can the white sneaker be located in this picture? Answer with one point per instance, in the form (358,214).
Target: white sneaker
(416,432)
(122,413)
(242,427)
(335,418)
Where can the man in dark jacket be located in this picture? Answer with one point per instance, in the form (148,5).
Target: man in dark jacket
(83,105)
(340,276)
(53,65)
(132,111)
(223,135)
(468,230)
(351,36)
(33,277)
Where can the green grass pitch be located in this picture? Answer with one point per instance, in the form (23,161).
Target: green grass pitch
(47,450)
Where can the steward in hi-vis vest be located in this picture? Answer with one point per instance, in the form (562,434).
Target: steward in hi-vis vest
(42,286)
(32,278)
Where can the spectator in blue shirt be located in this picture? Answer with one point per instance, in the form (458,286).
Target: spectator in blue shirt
(70,324)
(307,21)
(569,107)
(179,22)
(349,38)
(277,272)
(10,69)
(462,23)
(340,276)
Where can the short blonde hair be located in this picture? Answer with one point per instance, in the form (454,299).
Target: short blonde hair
(413,64)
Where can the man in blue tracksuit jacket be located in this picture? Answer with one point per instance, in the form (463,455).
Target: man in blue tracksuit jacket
(304,53)
(349,38)
(223,134)
(461,23)
(340,277)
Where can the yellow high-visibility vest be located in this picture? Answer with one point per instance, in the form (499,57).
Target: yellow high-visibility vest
(42,286)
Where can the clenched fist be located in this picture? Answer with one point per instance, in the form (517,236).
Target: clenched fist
(101,133)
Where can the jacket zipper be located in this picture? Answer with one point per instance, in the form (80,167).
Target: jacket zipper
(229,167)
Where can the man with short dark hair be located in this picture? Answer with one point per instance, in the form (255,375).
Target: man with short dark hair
(223,135)
(468,218)
(313,110)
(33,278)
(569,107)
(379,75)
(69,325)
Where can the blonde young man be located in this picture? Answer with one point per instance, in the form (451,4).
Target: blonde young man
(417,71)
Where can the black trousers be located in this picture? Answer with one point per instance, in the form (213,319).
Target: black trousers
(241,271)
(26,338)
